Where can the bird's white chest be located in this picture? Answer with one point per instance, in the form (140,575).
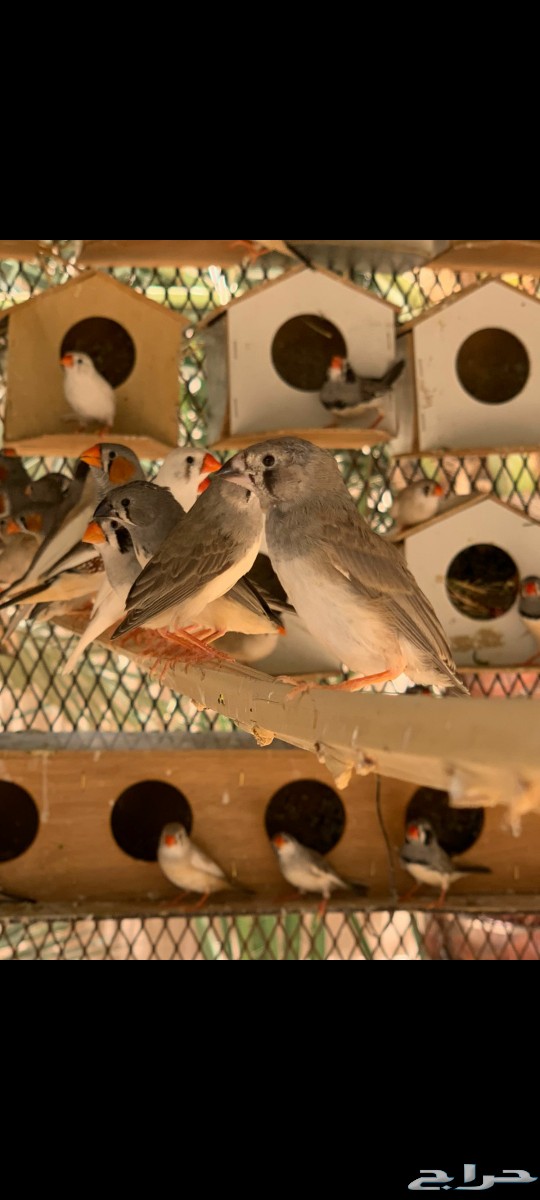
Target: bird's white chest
(412,510)
(533,626)
(90,396)
(430,876)
(337,618)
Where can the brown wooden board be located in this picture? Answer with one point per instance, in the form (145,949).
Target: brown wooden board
(75,858)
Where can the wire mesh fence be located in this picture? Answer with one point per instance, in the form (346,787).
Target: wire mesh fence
(346,937)
(109,693)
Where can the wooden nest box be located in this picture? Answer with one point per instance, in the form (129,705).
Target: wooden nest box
(134,343)
(268,355)
(393,256)
(469,562)
(82,829)
(474,364)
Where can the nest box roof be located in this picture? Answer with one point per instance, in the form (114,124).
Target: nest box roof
(284,279)
(56,294)
(464,504)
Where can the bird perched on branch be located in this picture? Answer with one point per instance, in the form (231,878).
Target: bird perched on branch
(198,563)
(189,868)
(350,587)
(427,862)
(87,392)
(417,503)
(346,394)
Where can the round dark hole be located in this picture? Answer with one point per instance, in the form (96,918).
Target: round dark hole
(310,811)
(303,349)
(493,366)
(140,814)
(19,821)
(456,829)
(109,345)
(482,582)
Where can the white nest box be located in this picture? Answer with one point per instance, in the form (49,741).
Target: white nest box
(268,354)
(469,562)
(134,343)
(476,363)
(392,256)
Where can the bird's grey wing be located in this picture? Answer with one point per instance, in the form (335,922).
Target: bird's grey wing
(428,856)
(322,869)
(73,516)
(247,594)
(192,556)
(379,574)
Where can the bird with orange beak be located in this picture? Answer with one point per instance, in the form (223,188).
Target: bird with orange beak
(88,393)
(417,503)
(309,872)
(188,867)
(112,464)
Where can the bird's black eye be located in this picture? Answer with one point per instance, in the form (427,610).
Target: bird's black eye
(112,454)
(125,504)
(269,460)
(427,489)
(190,460)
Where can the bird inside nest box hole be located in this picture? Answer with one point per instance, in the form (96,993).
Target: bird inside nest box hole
(102,358)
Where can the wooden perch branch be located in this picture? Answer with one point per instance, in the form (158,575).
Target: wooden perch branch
(482,753)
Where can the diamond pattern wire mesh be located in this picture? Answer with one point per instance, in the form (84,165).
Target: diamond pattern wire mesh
(109,694)
(383,936)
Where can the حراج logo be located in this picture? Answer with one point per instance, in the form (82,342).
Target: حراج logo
(436,1181)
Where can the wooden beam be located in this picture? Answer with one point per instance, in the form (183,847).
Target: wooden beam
(327,439)
(20,251)
(484,753)
(162,253)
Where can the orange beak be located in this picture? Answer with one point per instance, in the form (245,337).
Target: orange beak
(210,464)
(67,360)
(530,589)
(12,526)
(278,841)
(91,457)
(94,535)
(204,484)
(413,832)
(170,840)
(9,453)
(439,491)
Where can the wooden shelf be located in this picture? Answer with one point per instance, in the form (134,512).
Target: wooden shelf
(327,439)
(72,445)
(477,452)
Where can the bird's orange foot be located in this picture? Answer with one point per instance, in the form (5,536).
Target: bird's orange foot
(409,895)
(350,685)
(438,903)
(175,902)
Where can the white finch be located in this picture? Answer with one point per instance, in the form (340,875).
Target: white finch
(307,871)
(89,395)
(427,862)
(188,867)
(349,586)
(183,472)
(419,502)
